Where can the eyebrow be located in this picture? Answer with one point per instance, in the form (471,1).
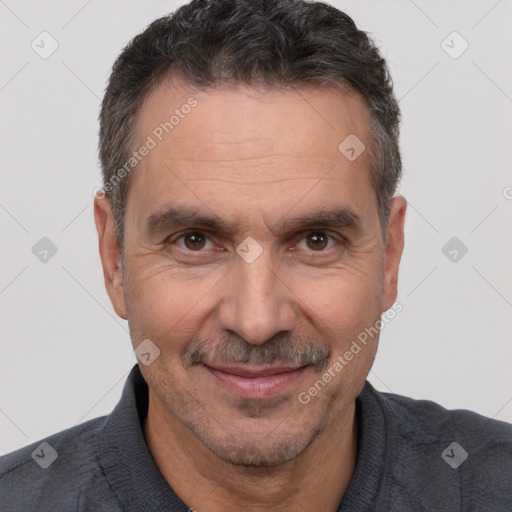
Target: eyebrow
(184,217)
(336,218)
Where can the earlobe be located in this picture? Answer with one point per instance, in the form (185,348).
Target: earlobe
(110,254)
(393,251)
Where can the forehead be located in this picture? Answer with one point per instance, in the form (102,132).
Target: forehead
(308,119)
(247,143)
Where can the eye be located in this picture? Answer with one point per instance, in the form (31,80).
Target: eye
(317,242)
(193,241)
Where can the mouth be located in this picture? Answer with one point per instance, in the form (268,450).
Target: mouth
(255,382)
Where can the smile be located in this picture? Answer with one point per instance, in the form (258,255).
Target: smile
(255,382)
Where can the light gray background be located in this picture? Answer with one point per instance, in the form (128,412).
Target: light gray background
(65,354)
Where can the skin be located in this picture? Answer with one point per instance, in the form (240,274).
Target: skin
(253,158)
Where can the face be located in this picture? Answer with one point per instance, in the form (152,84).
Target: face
(253,260)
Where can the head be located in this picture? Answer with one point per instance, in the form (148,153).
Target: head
(250,157)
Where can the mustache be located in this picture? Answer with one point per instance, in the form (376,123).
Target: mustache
(234,349)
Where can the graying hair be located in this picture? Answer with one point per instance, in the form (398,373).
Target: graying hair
(260,43)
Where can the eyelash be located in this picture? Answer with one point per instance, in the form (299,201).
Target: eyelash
(338,238)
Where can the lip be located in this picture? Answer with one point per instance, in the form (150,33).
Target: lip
(256,382)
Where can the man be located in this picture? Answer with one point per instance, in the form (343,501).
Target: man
(250,236)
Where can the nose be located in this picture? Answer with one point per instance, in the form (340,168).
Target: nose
(256,303)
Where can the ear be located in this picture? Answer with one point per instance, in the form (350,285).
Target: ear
(393,250)
(110,254)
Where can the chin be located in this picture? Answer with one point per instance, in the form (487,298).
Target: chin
(243,448)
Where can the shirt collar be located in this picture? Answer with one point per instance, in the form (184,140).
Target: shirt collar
(377,442)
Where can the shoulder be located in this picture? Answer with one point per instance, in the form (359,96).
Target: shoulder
(450,453)
(430,420)
(53,470)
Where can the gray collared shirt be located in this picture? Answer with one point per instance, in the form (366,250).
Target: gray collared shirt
(413,455)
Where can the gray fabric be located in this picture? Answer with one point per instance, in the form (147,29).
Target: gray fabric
(105,465)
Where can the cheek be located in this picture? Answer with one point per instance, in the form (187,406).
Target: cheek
(344,313)
(343,308)
(165,309)
(344,301)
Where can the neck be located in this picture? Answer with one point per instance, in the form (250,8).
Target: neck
(315,480)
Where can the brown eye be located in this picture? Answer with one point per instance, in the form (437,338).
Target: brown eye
(194,241)
(317,241)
